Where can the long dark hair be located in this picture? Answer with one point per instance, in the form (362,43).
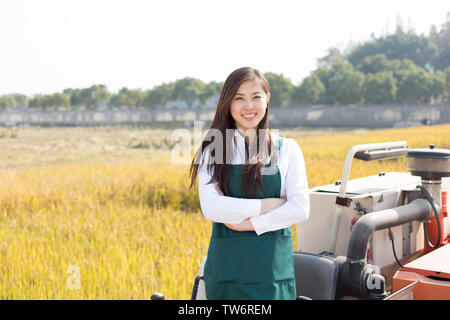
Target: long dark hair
(223,120)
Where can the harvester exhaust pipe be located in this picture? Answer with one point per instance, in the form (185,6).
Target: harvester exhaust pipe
(419,209)
(356,277)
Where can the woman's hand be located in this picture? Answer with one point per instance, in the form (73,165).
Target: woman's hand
(245,225)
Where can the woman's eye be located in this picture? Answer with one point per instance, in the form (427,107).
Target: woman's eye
(238,98)
(257,97)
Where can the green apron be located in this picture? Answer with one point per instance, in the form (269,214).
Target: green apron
(241,265)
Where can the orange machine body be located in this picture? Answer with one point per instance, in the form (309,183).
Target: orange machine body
(428,277)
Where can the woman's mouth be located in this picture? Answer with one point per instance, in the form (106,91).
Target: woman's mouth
(249,116)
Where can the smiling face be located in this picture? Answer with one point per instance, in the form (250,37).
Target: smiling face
(249,105)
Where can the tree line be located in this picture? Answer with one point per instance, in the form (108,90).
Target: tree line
(190,90)
(400,68)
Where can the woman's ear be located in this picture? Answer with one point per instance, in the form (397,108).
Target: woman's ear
(268,97)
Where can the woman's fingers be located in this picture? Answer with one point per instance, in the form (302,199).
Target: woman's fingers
(245,225)
(230,226)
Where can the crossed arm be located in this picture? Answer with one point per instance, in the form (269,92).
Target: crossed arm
(260,215)
(267,204)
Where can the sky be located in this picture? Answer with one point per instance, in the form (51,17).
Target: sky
(49,45)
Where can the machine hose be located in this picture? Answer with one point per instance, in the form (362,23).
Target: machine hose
(391,237)
(436,213)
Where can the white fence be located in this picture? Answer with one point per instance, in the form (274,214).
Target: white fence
(317,116)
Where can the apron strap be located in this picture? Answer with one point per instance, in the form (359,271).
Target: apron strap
(275,154)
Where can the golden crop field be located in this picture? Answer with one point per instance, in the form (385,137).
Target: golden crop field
(103,213)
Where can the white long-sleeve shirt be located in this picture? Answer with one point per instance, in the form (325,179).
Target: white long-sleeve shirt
(231,210)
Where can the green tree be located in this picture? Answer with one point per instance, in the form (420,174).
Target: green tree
(413,85)
(75,97)
(126,97)
(310,91)
(442,60)
(420,49)
(333,56)
(324,75)
(88,98)
(281,89)
(447,84)
(57,100)
(7,102)
(92,97)
(188,89)
(441,40)
(35,102)
(436,86)
(211,89)
(380,88)
(374,64)
(345,84)
(159,95)
(21,99)
(404,64)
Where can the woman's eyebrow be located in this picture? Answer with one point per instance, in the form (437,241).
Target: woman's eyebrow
(241,94)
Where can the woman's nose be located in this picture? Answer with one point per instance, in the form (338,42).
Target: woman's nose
(249,104)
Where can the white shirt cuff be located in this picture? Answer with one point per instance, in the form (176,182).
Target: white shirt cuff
(259,224)
(253,207)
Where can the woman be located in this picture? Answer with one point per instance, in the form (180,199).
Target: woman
(252,197)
